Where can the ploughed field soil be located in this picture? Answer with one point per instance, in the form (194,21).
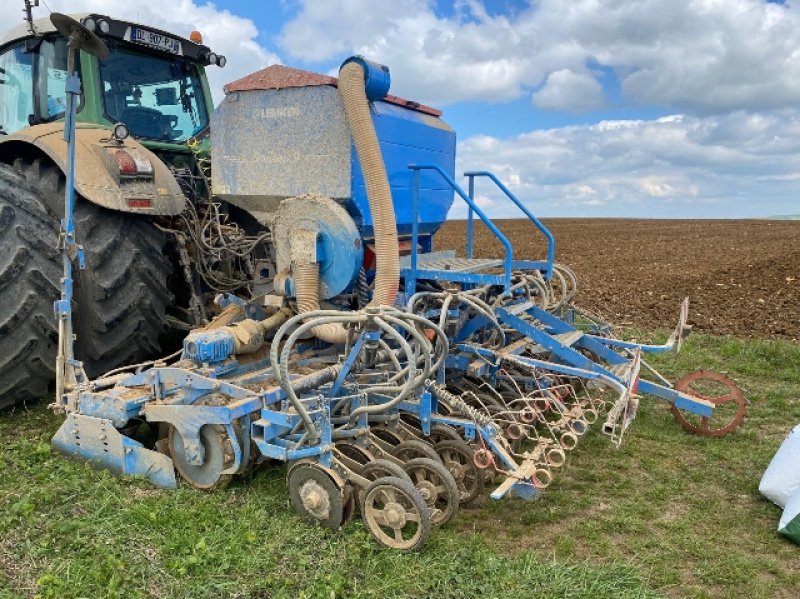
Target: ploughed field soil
(742,276)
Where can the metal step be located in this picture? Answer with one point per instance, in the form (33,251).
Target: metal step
(515,348)
(518,309)
(456,264)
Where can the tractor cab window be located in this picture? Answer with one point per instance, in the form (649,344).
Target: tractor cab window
(51,80)
(16,89)
(33,78)
(157,97)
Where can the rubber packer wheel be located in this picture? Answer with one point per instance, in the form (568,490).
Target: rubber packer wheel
(395,514)
(442,432)
(387,435)
(408,450)
(355,452)
(457,457)
(379,468)
(218,457)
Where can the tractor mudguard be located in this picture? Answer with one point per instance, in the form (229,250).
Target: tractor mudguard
(97,176)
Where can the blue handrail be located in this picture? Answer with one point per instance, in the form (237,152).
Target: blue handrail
(473,208)
(551,242)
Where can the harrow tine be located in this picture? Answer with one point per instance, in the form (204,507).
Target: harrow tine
(624,409)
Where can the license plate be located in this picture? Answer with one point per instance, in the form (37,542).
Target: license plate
(154,40)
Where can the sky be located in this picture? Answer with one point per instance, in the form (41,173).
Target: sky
(623,108)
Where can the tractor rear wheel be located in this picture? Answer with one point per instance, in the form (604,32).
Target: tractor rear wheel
(121,296)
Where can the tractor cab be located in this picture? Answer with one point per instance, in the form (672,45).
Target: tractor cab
(136,154)
(153,82)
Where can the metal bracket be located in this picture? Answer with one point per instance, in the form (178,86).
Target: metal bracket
(96,440)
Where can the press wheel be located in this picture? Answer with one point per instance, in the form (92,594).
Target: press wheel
(317,495)
(408,450)
(387,435)
(376,469)
(442,432)
(457,457)
(218,457)
(395,514)
(382,468)
(730,406)
(437,487)
(355,452)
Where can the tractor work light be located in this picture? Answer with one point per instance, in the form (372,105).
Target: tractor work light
(103,26)
(216,59)
(120,132)
(90,24)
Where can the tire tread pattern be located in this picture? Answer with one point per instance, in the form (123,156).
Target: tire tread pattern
(121,296)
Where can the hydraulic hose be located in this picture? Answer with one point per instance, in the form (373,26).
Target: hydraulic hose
(406,389)
(446,297)
(444,343)
(280,363)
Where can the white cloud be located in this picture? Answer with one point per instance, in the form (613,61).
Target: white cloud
(723,166)
(437,60)
(570,91)
(661,187)
(228,34)
(706,56)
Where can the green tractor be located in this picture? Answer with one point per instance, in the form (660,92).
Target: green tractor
(142,186)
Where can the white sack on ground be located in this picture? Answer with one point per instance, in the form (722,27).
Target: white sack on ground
(782,477)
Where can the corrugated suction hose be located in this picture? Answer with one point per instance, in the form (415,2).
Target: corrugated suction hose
(379,194)
(306,287)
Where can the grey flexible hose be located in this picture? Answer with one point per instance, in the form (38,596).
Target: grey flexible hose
(280,363)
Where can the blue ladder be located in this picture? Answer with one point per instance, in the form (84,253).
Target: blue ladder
(444,266)
(547,271)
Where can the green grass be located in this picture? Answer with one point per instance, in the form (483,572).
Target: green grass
(668,514)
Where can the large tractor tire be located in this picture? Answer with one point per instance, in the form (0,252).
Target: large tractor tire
(120,298)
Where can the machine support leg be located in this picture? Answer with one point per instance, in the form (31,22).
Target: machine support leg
(70,250)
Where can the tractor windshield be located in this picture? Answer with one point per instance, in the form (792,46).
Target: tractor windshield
(157,97)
